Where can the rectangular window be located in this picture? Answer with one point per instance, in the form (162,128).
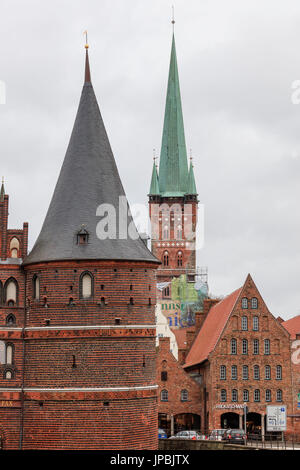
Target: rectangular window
(234,372)
(164,376)
(255,323)
(255,346)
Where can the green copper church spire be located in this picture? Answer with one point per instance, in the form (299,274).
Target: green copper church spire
(191,187)
(173,168)
(154,187)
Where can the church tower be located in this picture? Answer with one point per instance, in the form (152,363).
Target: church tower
(173,194)
(79,354)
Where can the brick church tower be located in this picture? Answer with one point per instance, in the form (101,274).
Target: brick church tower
(78,368)
(173,196)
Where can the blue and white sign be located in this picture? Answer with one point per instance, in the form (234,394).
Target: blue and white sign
(276,418)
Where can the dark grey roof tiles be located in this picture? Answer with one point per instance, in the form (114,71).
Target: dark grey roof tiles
(89,177)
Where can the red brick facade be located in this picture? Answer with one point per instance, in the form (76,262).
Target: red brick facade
(293,327)
(268,370)
(82,372)
(182,406)
(171,240)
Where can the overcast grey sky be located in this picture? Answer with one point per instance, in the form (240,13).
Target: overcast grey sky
(237,62)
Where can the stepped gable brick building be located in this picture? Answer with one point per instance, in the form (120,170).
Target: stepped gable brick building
(181,398)
(78,368)
(173,196)
(293,327)
(12,294)
(241,355)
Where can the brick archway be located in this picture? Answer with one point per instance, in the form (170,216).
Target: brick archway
(187,421)
(230,420)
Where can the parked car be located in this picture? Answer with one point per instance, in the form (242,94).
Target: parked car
(216,434)
(194,435)
(162,434)
(237,436)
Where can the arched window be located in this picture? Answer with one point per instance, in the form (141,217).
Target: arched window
(233,372)
(279,395)
(166,259)
(255,323)
(244,323)
(256,374)
(245,373)
(86,285)
(11,291)
(278,373)
(245,395)
(8,374)
(36,287)
(223,395)
(164,395)
(267,346)
(10,320)
(184,395)
(179,258)
(233,348)
(255,346)
(268,372)
(244,302)
(245,346)
(268,395)
(14,248)
(254,303)
(256,395)
(9,354)
(234,395)
(222,372)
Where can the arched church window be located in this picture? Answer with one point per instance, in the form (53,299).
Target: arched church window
(14,247)
(166,259)
(36,287)
(86,285)
(9,354)
(11,289)
(179,258)
(10,320)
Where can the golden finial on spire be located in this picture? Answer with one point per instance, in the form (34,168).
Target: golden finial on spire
(2,179)
(86,39)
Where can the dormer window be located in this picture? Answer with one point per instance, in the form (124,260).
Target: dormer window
(82,236)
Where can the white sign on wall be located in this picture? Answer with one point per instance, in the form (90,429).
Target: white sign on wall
(276,418)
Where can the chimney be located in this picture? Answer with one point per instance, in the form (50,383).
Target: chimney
(207,304)
(181,356)
(164,344)
(190,336)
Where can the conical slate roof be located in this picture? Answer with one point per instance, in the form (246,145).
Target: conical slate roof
(88,179)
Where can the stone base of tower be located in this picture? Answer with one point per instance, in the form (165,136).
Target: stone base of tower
(91,421)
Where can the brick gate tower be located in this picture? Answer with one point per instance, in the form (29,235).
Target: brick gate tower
(80,353)
(173,196)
